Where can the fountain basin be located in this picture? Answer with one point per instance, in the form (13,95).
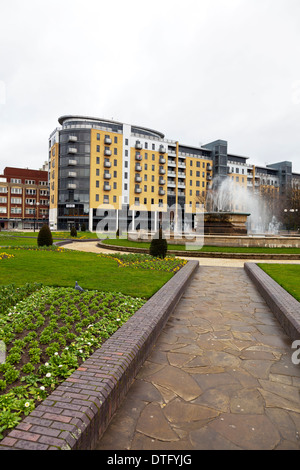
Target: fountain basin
(225,223)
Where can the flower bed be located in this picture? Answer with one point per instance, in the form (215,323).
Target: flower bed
(47,333)
(142,261)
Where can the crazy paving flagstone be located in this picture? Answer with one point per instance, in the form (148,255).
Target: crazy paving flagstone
(219,377)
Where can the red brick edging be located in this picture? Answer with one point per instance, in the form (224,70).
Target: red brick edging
(78,412)
(284,306)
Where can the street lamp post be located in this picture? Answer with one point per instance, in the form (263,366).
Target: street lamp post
(36,204)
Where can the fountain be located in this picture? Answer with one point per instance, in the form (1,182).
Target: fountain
(235,210)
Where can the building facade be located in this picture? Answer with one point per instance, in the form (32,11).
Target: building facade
(24,198)
(133,177)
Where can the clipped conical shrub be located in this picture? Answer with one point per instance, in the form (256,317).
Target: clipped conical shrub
(159,245)
(45,236)
(73,232)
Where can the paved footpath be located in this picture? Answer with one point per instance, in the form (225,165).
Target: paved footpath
(220,376)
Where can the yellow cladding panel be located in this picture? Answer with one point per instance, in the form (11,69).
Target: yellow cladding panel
(197,179)
(111,176)
(147,169)
(53,171)
(239,179)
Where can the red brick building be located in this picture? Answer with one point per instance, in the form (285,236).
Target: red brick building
(24,199)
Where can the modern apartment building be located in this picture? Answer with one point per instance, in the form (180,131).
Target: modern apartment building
(24,198)
(102,169)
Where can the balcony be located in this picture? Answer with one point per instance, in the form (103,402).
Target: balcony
(181,164)
(72,162)
(137,190)
(171,184)
(181,185)
(72,150)
(106,187)
(72,174)
(107,152)
(138,167)
(138,145)
(161,181)
(107,164)
(72,138)
(162,160)
(162,171)
(71,186)
(107,176)
(209,168)
(107,140)
(138,157)
(161,192)
(138,179)
(162,149)
(171,163)
(209,177)
(181,174)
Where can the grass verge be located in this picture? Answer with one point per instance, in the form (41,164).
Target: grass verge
(286,275)
(213,249)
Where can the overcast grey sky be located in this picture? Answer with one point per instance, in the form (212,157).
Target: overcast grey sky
(196,70)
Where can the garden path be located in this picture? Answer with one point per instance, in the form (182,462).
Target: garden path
(220,376)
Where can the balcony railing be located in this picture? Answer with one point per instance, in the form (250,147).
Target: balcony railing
(138,145)
(138,179)
(107,152)
(107,176)
(107,164)
(72,150)
(138,167)
(106,187)
(107,140)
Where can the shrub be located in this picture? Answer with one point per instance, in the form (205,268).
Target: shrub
(45,236)
(159,245)
(73,232)
(83,227)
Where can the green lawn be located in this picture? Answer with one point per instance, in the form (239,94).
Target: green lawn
(213,249)
(63,268)
(86,235)
(286,275)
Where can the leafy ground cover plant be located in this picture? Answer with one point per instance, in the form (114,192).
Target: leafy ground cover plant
(48,332)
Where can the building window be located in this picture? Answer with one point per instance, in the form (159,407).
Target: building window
(98,148)
(115,151)
(98,136)
(115,139)
(115,162)
(97,160)
(126,141)
(97,183)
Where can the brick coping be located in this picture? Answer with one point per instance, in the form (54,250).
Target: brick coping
(206,254)
(284,306)
(76,414)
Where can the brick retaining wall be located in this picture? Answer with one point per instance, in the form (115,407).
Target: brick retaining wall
(78,412)
(284,306)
